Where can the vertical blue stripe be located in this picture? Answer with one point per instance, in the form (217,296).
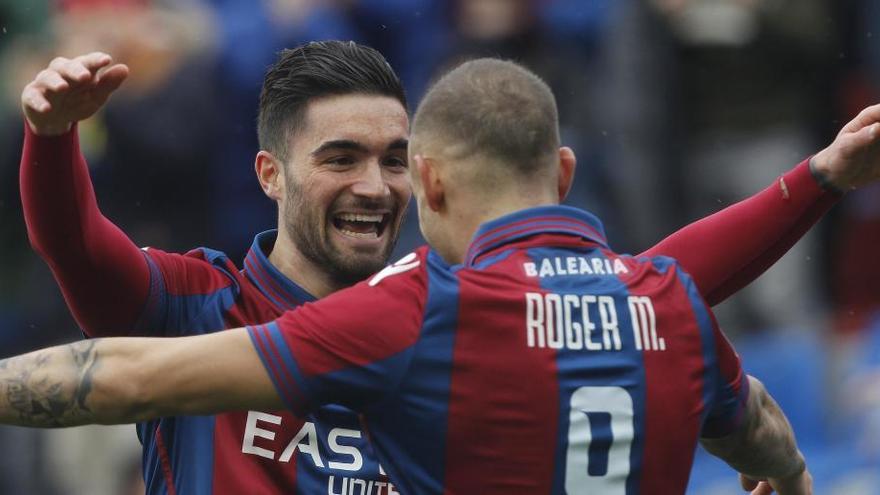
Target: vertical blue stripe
(423,394)
(151,467)
(581,368)
(712,374)
(289,364)
(190,443)
(189,440)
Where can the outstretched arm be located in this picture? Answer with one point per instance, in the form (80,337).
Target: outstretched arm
(102,273)
(125,380)
(728,250)
(128,379)
(763,449)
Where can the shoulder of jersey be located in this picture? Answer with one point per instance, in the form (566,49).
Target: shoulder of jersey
(408,264)
(204,267)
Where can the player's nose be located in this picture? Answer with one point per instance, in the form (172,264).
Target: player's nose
(371,182)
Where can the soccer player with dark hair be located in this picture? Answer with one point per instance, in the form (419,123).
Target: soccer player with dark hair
(333,132)
(338,169)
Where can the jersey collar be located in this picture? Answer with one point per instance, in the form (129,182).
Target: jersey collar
(282,291)
(532,221)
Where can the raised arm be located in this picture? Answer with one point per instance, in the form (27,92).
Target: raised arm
(102,273)
(763,449)
(728,250)
(125,380)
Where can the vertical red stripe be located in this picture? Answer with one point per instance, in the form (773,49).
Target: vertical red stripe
(236,472)
(673,383)
(504,397)
(165,462)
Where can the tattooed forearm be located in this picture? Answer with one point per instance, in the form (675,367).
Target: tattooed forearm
(130,379)
(51,387)
(765,447)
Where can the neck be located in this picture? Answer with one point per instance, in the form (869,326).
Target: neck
(464,221)
(291,262)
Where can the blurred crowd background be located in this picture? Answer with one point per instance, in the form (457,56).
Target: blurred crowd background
(675,108)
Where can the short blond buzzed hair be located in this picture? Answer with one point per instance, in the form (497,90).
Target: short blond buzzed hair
(495,108)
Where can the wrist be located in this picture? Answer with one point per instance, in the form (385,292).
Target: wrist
(821,173)
(49,130)
(796,482)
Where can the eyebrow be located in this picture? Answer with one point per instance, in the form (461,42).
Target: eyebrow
(399,144)
(347,144)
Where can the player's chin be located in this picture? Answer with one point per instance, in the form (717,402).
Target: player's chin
(354,266)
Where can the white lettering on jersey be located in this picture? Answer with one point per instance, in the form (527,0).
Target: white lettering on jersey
(588,322)
(404,264)
(251,431)
(357,461)
(574,265)
(357,486)
(310,446)
(644,321)
(306,441)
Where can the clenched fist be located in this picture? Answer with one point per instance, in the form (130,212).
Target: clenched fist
(70,90)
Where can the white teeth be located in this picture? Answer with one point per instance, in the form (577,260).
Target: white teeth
(360,217)
(359,235)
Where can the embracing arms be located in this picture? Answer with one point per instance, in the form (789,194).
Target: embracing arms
(125,380)
(95,263)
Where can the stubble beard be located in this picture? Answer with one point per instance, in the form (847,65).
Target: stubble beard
(310,235)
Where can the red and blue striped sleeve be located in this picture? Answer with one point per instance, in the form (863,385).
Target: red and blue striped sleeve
(187,291)
(730,389)
(350,348)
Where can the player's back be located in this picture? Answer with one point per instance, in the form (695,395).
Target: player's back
(543,364)
(548,364)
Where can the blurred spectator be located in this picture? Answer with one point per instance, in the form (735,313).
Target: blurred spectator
(523,30)
(751,76)
(149,152)
(855,267)
(636,108)
(268,26)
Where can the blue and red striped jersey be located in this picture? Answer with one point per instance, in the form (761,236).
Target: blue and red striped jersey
(545,363)
(253,452)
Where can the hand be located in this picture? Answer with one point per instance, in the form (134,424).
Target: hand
(70,90)
(853,159)
(798,484)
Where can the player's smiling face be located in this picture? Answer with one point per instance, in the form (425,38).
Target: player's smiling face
(347,183)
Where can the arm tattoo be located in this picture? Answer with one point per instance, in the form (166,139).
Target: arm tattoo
(49,388)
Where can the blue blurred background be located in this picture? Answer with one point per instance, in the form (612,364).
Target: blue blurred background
(675,108)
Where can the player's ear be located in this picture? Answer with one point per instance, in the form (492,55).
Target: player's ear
(429,179)
(567,164)
(270,173)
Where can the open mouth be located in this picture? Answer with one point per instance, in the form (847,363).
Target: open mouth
(361,225)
